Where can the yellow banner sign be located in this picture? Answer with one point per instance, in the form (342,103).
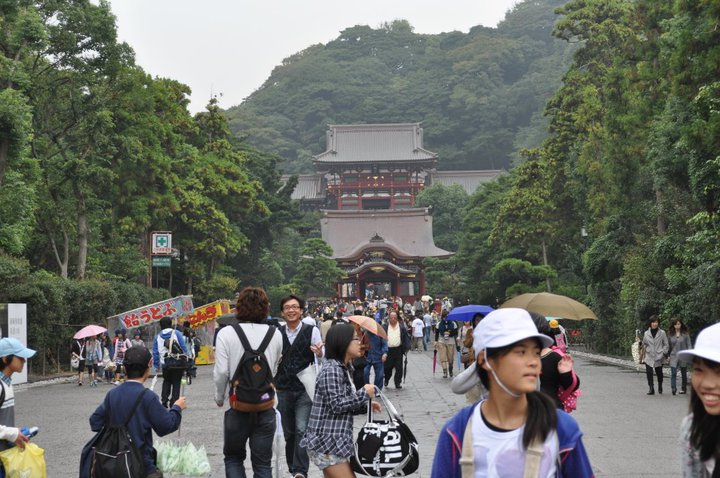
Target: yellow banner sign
(208,312)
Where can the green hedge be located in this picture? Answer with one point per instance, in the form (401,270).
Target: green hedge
(57,308)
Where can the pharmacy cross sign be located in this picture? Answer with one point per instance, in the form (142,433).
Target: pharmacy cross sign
(161,243)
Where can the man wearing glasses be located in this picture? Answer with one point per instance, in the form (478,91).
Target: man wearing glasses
(302,343)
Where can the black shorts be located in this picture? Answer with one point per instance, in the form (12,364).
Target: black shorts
(81,365)
(92,367)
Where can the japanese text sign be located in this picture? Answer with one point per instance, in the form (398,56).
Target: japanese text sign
(149,314)
(206,313)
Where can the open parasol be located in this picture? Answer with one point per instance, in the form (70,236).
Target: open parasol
(466,313)
(89,331)
(369,324)
(553,305)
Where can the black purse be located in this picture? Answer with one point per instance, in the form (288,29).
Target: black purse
(385,448)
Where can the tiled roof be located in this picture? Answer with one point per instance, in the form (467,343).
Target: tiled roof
(407,232)
(469,180)
(309,187)
(371,143)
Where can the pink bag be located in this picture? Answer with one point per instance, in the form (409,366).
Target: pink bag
(569,396)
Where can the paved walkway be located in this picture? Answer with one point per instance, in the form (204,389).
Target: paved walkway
(627,433)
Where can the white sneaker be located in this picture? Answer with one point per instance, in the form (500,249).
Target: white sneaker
(116,382)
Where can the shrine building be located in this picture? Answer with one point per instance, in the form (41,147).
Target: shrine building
(366,184)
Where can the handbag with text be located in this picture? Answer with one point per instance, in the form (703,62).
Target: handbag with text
(385,447)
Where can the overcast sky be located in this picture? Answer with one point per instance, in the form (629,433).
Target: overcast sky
(231,46)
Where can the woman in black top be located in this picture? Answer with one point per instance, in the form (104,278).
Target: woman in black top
(557,369)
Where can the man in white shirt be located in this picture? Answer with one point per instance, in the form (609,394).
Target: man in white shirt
(418,327)
(301,346)
(258,426)
(394,361)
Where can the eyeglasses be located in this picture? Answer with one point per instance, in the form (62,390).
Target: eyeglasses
(291,307)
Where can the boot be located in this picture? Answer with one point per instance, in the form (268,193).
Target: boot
(651,392)
(445,373)
(674,391)
(660,388)
(451,372)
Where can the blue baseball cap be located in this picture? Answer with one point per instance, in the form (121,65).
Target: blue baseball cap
(12,346)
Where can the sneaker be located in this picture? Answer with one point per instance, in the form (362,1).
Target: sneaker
(116,382)
(299,475)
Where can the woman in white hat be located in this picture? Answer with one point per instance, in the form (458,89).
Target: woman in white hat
(700,430)
(517,431)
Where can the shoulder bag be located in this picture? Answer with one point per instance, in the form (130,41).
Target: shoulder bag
(385,447)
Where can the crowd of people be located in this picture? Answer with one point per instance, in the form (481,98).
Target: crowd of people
(518,376)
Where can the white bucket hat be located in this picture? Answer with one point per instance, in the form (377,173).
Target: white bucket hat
(499,328)
(504,327)
(707,345)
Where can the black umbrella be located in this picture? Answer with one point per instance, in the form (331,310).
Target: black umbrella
(405,369)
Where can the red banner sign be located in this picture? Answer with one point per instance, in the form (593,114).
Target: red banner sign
(154,312)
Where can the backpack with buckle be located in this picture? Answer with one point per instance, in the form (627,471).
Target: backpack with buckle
(252,388)
(175,358)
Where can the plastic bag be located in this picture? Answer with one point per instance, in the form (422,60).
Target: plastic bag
(75,362)
(24,463)
(182,459)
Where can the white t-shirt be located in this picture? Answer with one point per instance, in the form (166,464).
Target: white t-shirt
(418,326)
(501,454)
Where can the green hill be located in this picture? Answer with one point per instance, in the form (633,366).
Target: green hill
(479,95)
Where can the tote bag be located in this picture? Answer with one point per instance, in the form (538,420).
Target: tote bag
(385,447)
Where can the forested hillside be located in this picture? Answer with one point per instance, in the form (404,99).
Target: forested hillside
(480,95)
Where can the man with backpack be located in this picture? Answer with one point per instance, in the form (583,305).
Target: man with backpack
(170,354)
(247,354)
(128,416)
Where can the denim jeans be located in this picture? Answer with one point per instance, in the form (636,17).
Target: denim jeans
(259,428)
(379,368)
(673,378)
(294,407)
(426,336)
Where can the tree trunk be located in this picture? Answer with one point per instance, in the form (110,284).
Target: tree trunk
(82,222)
(147,252)
(4,157)
(661,224)
(189,284)
(545,262)
(64,261)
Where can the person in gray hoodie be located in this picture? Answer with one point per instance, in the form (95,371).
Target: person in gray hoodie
(163,358)
(655,348)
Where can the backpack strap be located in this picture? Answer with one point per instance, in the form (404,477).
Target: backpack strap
(135,405)
(132,410)
(467,457)
(246,345)
(533,456)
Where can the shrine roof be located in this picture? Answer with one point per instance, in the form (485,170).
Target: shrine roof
(469,180)
(375,143)
(407,232)
(309,186)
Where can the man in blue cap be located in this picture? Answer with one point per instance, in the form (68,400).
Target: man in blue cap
(13,355)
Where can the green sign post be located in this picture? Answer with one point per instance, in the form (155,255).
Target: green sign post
(161,261)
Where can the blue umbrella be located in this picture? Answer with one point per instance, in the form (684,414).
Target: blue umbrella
(466,313)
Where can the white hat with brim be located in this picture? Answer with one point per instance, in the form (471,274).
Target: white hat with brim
(503,327)
(707,345)
(466,380)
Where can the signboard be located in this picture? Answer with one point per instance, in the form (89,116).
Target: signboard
(13,323)
(152,313)
(206,313)
(162,243)
(161,261)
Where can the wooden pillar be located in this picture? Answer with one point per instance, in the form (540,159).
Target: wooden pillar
(421,276)
(358,293)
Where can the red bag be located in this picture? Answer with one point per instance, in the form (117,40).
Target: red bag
(569,396)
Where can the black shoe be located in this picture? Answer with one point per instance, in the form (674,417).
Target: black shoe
(674,391)
(398,387)
(660,389)
(651,392)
